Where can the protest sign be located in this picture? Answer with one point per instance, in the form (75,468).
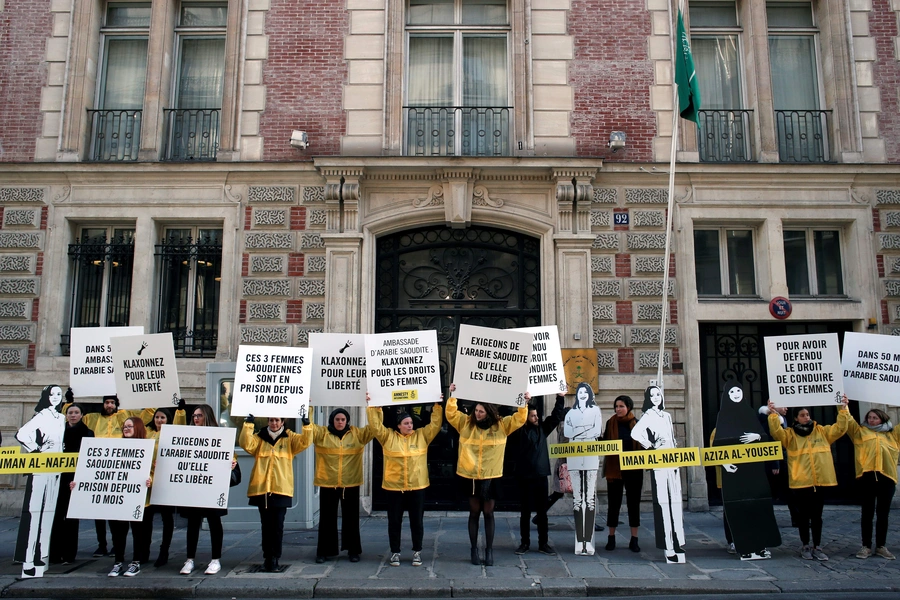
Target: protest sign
(804,370)
(15,461)
(592,448)
(339,369)
(90,359)
(667,458)
(547,373)
(403,368)
(272,381)
(145,370)
(492,365)
(111,479)
(193,466)
(871,366)
(742,453)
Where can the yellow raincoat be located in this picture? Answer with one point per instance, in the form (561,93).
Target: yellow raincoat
(809,459)
(875,451)
(273,471)
(405,456)
(110,426)
(481,450)
(339,459)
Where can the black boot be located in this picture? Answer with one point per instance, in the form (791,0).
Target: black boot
(488,557)
(633,545)
(163,557)
(611,542)
(476,560)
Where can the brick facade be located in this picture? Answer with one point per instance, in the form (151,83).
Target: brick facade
(883,28)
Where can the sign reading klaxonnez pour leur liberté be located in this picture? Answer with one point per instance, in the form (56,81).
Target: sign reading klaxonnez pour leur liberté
(492,365)
(111,479)
(403,368)
(339,369)
(272,381)
(145,370)
(193,466)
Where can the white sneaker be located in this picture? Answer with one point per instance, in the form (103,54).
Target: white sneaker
(589,549)
(214,567)
(417,559)
(133,569)
(116,570)
(188,567)
(395,559)
(731,549)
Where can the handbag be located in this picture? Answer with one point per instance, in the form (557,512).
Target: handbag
(565,482)
(235,475)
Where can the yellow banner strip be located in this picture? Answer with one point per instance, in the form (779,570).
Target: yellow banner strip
(598,448)
(668,458)
(24,463)
(741,453)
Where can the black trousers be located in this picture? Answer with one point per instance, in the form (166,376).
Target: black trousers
(877,491)
(64,536)
(808,504)
(216,534)
(271,522)
(412,502)
(533,499)
(631,485)
(329,499)
(120,538)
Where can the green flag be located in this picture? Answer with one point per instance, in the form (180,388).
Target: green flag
(686,76)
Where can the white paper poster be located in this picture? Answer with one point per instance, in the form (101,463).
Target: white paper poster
(90,359)
(804,370)
(272,381)
(492,365)
(339,369)
(111,479)
(871,365)
(403,368)
(193,466)
(146,374)
(547,374)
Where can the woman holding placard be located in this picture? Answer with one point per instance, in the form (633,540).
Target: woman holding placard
(877,447)
(271,487)
(167,513)
(482,443)
(339,473)
(405,474)
(810,468)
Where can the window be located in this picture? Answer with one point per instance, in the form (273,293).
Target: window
(812,262)
(116,124)
(724,128)
(190,275)
(457,78)
(723,260)
(801,126)
(102,259)
(193,124)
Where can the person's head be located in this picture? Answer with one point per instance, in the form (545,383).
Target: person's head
(735,393)
(584,396)
(404,423)
(484,414)
(802,416)
(275,423)
(74,414)
(533,418)
(51,397)
(653,398)
(134,428)
(203,416)
(623,405)
(110,405)
(781,410)
(160,418)
(339,419)
(876,417)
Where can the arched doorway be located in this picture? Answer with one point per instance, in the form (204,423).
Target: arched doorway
(437,278)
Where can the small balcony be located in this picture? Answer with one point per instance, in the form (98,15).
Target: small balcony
(192,134)
(115,135)
(724,136)
(457,131)
(803,136)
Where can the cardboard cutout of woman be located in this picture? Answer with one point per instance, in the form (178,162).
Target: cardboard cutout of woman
(43,433)
(584,423)
(745,487)
(654,431)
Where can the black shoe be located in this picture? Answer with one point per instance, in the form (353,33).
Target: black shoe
(475,559)
(320,559)
(163,558)
(534,520)
(112,551)
(633,545)
(488,557)
(275,565)
(269,564)
(354,558)
(611,542)
(598,527)
(547,549)
(522,549)
(100,551)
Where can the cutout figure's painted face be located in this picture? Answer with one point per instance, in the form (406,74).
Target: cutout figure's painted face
(656,396)
(736,394)
(55,395)
(582,395)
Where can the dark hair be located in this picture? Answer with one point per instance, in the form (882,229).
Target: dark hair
(44,402)
(140,432)
(75,405)
(626,400)
(590,399)
(648,404)
(493,416)
(208,417)
(114,398)
(402,416)
(798,409)
(880,414)
(152,424)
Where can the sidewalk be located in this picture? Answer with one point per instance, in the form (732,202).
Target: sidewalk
(448,573)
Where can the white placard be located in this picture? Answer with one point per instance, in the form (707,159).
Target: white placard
(547,374)
(492,365)
(339,369)
(111,479)
(403,368)
(272,381)
(193,466)
(871,365)
(146,374)
(90,359)
(804,370)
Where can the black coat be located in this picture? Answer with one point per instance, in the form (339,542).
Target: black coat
(530,444)
(73,435)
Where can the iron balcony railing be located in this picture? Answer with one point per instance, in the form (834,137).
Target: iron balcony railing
(191,133)
(457,131)
(724,135)
(803,135)
(115,135)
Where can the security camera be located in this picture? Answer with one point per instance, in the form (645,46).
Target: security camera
(299,139)
(616,141)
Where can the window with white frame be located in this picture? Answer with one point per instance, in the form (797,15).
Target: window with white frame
(190,274)
(812,262)
(723,261)
(457,80)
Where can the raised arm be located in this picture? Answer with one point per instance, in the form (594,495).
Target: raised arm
(248,440)
(431,430)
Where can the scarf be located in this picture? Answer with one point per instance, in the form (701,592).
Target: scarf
(881,427)
(485,423)
(274,434)
(611,468)
(804,430)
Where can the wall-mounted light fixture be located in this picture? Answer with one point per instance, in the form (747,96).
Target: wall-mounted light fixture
(299,139)
(616,141)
